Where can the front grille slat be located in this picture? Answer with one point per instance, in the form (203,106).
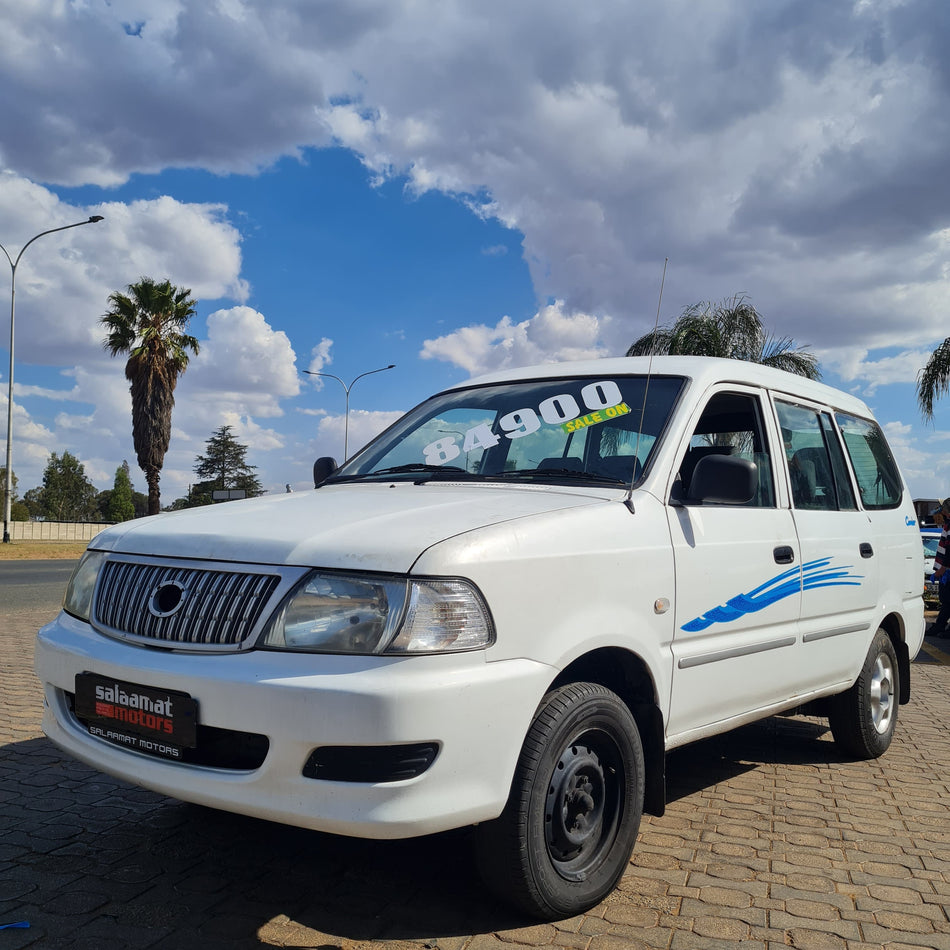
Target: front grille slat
(219,608)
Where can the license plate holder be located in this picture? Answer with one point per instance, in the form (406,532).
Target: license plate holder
(149,719)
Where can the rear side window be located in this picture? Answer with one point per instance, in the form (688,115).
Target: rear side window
(817,471)
(879,481)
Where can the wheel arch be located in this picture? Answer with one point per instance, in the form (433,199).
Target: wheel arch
(625,674)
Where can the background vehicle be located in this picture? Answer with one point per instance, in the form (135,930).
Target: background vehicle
(930,538)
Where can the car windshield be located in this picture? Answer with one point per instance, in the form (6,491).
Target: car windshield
(930,546)
(565,429)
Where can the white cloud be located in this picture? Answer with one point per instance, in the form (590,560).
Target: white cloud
(549,336)
(64,280)
(194,242)
(319,359)
(245,365)
(771,149)
(243,371)
(363,427)
(794,152)
(854,366)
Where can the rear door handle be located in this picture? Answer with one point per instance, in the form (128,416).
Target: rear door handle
(783,554)
(866,549)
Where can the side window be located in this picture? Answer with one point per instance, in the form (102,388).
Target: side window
(731,424)
(879,481)
(816,467)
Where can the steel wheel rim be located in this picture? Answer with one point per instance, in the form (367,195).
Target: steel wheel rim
(583,805)
(882,693)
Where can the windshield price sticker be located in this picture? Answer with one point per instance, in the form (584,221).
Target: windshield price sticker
(602,400)
(602,415)
(157,721)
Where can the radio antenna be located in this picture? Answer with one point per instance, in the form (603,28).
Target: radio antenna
(628,501)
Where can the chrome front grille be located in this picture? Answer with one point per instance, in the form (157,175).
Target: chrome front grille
(172,604)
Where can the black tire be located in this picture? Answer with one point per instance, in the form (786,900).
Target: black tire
(864,717)
(566,834)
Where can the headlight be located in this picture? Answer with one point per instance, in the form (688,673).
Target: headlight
(366,614)
(78,598)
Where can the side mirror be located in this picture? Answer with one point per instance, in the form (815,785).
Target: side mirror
(323,468)
(723,480)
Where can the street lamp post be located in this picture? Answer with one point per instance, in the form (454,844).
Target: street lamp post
(8,487)
(346,389)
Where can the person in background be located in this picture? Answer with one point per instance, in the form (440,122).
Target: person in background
(942,572)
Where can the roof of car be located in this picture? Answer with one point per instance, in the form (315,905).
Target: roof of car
(703,370)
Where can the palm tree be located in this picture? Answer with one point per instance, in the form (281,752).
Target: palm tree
(732,329)
(933,381)
(149,323)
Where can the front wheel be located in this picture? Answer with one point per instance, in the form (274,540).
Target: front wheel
(566,834)
(863,718)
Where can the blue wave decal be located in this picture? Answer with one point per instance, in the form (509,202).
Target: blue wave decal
(813,574)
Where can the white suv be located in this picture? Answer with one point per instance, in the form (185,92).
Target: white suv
(503,612)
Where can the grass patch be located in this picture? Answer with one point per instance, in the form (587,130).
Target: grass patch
(38,550)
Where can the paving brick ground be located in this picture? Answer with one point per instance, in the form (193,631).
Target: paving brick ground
(770,840)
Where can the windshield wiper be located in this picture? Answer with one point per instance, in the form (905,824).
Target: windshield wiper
(418,467)
(422,468)
(410,468)
(559,473)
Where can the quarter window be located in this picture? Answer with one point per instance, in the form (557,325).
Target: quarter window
(879,480)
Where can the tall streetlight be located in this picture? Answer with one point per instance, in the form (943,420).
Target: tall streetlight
(346,389)
(8,488)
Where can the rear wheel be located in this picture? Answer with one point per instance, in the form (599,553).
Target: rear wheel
(864,717)
(566,834)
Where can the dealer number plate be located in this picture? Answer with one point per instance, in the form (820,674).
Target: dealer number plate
(158,721)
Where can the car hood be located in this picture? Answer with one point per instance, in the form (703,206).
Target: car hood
(375,526)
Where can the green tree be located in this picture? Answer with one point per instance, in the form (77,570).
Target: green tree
(120,506)
(149,323)
(141,503)
(732,329)
(197,497)
(933,381)
(33,499)
(224,466)
(67,495)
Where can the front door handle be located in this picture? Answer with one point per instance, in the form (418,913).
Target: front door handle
(783,554)
(866,549)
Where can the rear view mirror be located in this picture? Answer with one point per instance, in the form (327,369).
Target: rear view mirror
(323,468)
(723,480)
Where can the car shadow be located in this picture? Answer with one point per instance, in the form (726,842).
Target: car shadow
(87,858)
(91,861)
(779,740)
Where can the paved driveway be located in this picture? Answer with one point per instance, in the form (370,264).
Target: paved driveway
(770,839)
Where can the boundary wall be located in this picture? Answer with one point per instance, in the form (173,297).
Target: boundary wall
(53,531)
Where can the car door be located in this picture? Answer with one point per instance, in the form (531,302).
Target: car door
(738,586)
(840,555)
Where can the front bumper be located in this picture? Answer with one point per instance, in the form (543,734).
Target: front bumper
(476,712)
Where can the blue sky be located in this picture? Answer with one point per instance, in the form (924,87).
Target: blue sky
(456,187)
